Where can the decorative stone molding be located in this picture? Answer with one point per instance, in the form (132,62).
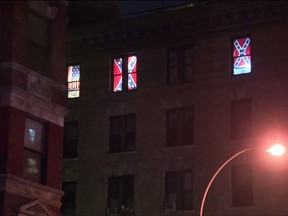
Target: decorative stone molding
(35,208)
(32,190)
(39,87)
(43,9)
(15,66)
(30,103)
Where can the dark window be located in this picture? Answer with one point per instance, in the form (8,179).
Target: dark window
(34,151)
(242,185)
(69,198)
(121,195)
(242,55)
(180,65)
(38,41)
(70,140)
(124,73)
(179,189)
(122,133)
(240,119)
(179,126)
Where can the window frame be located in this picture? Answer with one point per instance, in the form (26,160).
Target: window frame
(181,64)
(124,134)
(40,153)
(77,82)
(242,195)
(68,139)
(236,132)
(125,74)
(64,198)
(243,56)
(42,45)
(180,126)
(179,189)
(122,192)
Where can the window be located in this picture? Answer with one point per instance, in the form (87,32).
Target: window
(122,133)
(70,140)
(241,55)
(124,73)
(180,65)
(69,198)
(73,80)
(38,41)
(120,195)
(34,147)
(179,189)
(179,126)
(242,185)
(241,119)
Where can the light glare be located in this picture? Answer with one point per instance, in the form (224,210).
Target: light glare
(276,150)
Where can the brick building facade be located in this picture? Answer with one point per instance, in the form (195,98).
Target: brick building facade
(165,98)
(32,106)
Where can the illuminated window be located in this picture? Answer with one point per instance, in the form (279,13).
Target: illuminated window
(241,119)
(34,151)
(242,185)
(120,195)
(122,133)
(180,65)
(124,73)
(73,81)
(242,55)
(70,140)
(179,126)
(179,190)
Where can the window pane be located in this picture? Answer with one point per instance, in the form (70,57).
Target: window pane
(38,30)
(32,166)
(121,193)
(132,72)
(132,81)
(116,124)
(242,56)
(69,198)
(117,68)
(242,185)
(34,132)
(187,181)
(132,64)
(73,81)
(70,140)
(117,75)
(178,189)
(174,75)
(241,119)
(188,200)
(172,127)
(188,126)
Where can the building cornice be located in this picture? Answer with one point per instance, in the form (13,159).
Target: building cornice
(174,24)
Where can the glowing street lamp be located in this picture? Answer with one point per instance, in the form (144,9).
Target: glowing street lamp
(276,150)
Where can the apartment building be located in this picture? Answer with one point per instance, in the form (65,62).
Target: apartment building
(160,101)
(32,106)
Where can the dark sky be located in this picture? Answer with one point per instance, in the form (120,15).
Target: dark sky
(134,6)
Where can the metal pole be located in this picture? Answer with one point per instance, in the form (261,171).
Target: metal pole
(216,173)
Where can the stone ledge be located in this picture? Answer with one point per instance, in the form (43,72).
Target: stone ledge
(23,187)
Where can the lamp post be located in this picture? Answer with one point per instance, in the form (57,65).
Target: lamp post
(275,150)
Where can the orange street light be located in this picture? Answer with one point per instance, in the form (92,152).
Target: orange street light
(276,150)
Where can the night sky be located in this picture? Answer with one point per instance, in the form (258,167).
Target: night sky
(135,6)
